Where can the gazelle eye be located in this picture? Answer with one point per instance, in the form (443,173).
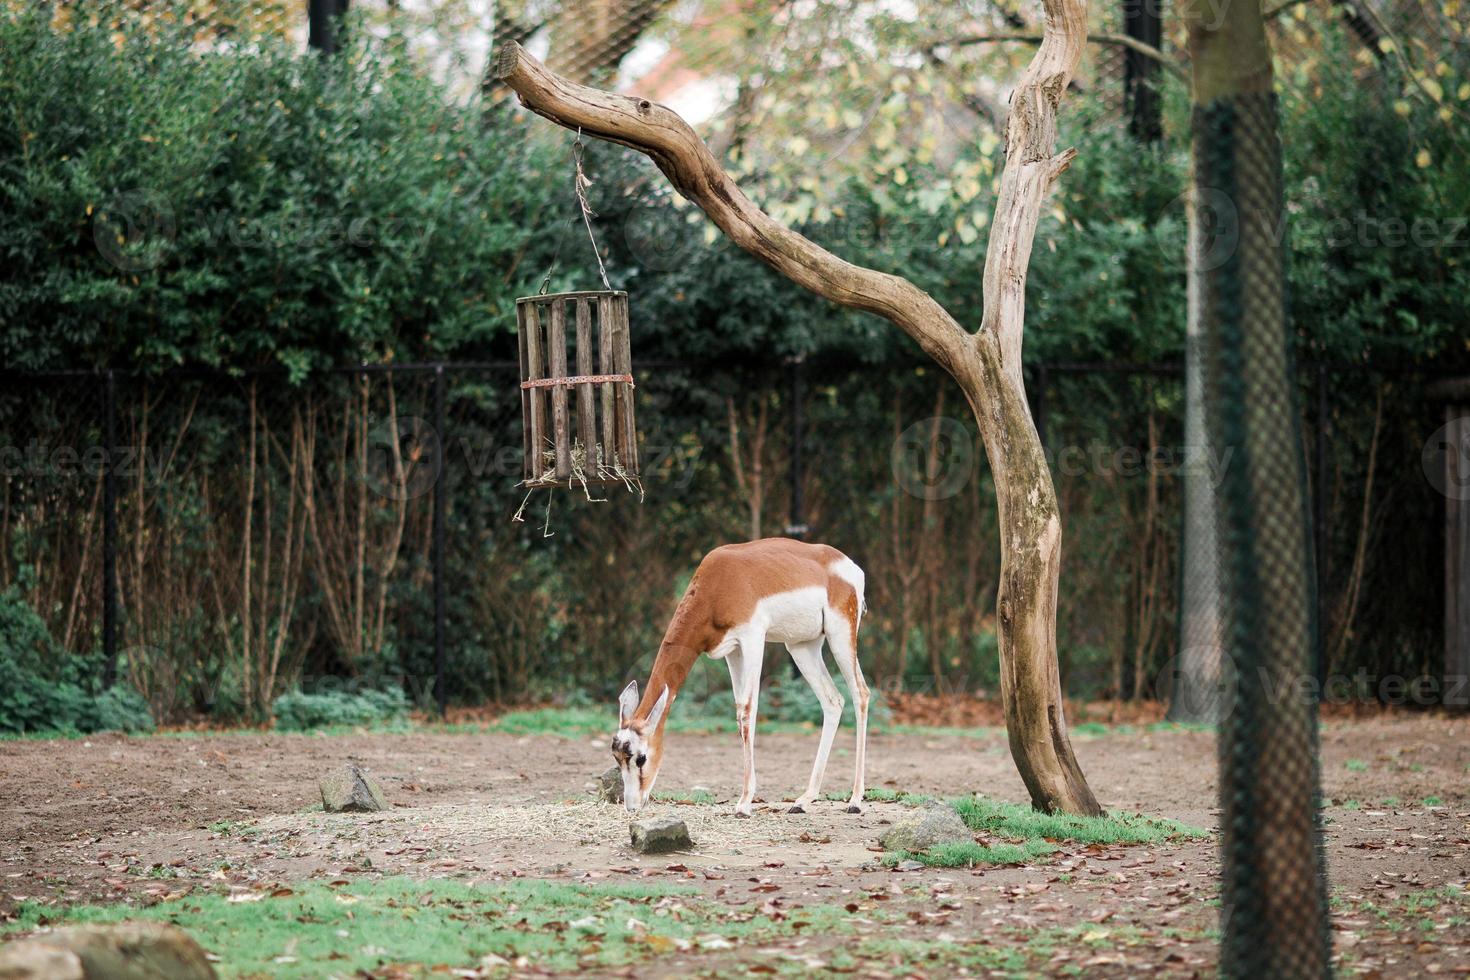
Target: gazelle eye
(642,759)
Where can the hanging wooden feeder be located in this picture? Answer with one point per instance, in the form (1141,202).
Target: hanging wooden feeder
(578,425)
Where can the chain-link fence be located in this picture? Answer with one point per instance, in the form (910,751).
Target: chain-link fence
(1274,891)
(253,531)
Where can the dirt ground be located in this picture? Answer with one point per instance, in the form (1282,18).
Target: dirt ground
(113,818)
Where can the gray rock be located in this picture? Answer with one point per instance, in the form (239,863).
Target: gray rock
(350,790)
(659,835)
(125,951)
(935,824)
(610,786)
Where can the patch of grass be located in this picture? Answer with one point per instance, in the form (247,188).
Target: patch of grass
(967,854)
(1433,801)
(1389,801)
(1017,820)
(1027,834)
(1357,765)
(369,926)
(695,797)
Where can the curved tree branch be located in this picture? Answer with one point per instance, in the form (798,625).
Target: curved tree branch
(1121,40)
(674,147)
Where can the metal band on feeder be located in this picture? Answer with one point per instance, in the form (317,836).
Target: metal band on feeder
(578,424)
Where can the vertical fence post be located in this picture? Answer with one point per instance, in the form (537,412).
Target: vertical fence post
(1319,527)
(441,681)
(109,533)
(797,527)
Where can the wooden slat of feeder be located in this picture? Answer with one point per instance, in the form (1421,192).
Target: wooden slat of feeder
(585,422)
(605,320)
(525,393)
(538,400)
(623,358)
(561,422)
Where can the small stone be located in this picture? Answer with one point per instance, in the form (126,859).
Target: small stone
(350,790)
(659,835)
(610,786)
(935,824)
(909,866)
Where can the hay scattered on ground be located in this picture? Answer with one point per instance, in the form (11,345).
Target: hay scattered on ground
(715,829)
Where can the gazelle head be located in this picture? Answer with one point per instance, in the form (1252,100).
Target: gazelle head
(638,746)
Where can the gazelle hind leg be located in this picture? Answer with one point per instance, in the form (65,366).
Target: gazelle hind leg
(745,679)
(808,657)
(842,638)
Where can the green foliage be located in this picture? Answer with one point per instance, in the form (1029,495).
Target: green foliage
(297,711)
(172,204)
(46,689)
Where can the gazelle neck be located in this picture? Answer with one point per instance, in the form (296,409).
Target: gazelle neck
(690,634)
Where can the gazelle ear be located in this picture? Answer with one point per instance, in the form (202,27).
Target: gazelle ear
(627,703)
(656,715)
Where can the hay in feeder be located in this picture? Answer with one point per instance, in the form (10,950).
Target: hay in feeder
(601,472)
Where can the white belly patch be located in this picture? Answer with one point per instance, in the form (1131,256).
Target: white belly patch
(792,617)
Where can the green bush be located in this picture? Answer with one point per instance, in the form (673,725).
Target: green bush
(43,688)
(298,711)
(170,203)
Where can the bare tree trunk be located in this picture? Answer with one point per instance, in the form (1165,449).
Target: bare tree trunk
(986,364)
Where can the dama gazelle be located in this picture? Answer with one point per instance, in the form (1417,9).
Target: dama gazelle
(741,596)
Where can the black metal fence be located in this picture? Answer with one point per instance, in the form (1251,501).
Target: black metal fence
(357,523)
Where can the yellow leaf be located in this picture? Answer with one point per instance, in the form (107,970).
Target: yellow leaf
(900,176)
(1386,45)
(1464,92)
(1402,107)
(1423,159)
(1432,87)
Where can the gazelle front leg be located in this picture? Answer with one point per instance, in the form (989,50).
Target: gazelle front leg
(808,657)
(745,679)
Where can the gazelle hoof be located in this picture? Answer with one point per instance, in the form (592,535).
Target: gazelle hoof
(796,808)
(854,808)
(742,813)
